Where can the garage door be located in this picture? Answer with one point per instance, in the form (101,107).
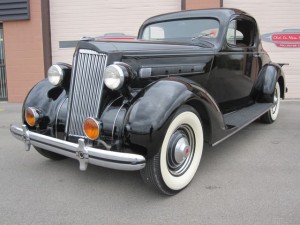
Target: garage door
(72,19)
(278,21)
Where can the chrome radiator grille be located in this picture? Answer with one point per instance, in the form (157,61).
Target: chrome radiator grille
(86,89)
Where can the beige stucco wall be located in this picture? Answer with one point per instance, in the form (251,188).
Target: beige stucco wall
(72,19)
(274,16)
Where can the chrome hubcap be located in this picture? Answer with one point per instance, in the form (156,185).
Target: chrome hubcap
(180,150)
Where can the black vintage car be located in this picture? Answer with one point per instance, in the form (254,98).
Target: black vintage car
(150,104)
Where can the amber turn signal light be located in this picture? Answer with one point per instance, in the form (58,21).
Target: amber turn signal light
(91,128)
(31,116)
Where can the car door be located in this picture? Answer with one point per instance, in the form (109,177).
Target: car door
(236,65)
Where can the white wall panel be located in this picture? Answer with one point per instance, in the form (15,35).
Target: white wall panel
(72,19)
(274,16)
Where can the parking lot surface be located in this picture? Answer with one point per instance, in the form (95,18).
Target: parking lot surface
(251,178)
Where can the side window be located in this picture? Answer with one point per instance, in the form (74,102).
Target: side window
(233,35)
(241,33)
(153,32)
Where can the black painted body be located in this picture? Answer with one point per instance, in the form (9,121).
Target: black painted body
(214,80)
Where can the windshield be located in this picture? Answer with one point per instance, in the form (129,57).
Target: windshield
(185,31)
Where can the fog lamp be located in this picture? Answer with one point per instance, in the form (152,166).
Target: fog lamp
(91,128)
(31,116)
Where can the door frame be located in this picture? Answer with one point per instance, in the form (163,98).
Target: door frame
(3,80)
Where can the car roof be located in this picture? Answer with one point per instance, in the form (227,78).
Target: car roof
(220,13)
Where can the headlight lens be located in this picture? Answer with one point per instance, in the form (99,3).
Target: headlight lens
(114,77)
(55,75)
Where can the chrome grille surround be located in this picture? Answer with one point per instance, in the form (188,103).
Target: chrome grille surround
(86,89)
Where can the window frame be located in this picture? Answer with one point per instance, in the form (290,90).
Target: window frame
(254,32)
(192,18)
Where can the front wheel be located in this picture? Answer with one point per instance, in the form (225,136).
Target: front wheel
(50,155)
(271,115)
(175,165)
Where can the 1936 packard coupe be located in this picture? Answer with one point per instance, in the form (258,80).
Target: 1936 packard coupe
(150,104)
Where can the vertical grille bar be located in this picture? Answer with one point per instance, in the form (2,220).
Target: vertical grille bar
(86,89)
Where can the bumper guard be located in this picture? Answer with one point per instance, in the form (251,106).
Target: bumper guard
(84,154)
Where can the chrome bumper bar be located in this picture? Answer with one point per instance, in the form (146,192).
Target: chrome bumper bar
(81,152)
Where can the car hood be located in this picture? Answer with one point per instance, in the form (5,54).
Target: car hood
(138,46)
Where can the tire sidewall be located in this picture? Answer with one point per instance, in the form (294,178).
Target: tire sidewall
(274,115)
(189,117)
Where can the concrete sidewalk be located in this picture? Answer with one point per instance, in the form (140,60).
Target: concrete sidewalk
(251,178)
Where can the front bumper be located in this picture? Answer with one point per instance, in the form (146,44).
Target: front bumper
(81,152)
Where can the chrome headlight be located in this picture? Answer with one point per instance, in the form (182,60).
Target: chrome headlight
(55,75)
(114,77)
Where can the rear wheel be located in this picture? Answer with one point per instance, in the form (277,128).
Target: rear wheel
(271,115)
(175,165)
(50,155)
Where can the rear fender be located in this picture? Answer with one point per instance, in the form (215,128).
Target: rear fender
(263,89)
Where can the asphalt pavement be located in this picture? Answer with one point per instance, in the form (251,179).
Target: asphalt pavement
(252,178)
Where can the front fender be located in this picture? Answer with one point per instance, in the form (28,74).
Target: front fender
(155,105)
(149,116)
(47,98)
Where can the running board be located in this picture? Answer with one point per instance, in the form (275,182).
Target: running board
(246,115)
(239,119)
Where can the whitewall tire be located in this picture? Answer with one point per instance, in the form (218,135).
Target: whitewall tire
(272,114)
(175,165)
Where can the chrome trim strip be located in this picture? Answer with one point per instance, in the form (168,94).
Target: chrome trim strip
(88,51)
(70,95)
(110,104)
(115,120)
(84,154)
(58,110)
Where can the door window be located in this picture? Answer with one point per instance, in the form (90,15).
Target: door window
(241,33)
